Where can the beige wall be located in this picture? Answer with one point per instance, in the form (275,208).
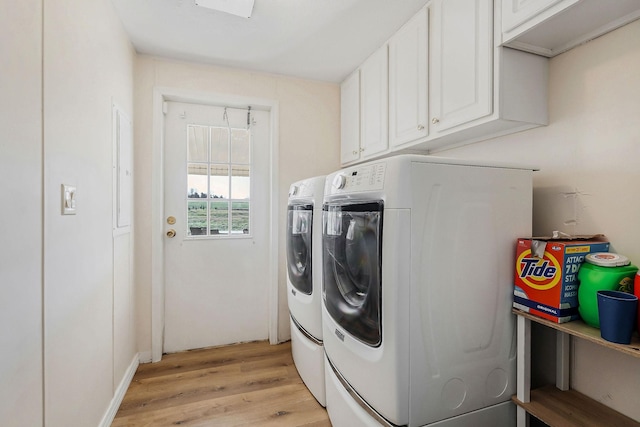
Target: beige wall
(588,180)
(309,140)
(21,216)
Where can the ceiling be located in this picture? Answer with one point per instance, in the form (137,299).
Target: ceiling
(312,39)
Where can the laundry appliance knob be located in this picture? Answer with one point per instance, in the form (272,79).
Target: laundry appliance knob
(339,181)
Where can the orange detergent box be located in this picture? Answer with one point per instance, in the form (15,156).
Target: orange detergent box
(546,277)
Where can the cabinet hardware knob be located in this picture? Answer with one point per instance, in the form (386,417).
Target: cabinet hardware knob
(420,127)
(361,150)
(435,120)
(354,152)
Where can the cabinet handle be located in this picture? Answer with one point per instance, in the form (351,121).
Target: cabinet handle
(435,120)
(354,152)
(420,128)
(361,150)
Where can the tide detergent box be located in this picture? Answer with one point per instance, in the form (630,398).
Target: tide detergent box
(546,277)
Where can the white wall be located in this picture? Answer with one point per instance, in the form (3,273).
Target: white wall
(21,216)
(64,62)
(589,179)
(309,141)
(66,332)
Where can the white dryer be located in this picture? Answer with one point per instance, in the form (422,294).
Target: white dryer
(418,270)
(304,281)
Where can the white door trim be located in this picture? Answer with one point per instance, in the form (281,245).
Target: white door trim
(160,95)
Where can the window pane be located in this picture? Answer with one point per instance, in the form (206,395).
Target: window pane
(240,146)
(196,218)
(219,217)
(219,182)
(219,145)
(197,181)
(197,137)
(240,182)
(240,217)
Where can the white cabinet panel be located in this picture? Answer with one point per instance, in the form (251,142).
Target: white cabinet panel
(551,27)
(408,77)
(461,87)
(517,12)
(374,104)
(350,118)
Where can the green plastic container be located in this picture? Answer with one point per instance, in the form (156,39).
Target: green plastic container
(602,271)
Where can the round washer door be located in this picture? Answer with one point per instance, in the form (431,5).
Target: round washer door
(352,261)
(299,232)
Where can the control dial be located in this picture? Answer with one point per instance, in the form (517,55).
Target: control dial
(339,181)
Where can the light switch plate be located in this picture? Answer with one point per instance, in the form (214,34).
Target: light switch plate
(68,199)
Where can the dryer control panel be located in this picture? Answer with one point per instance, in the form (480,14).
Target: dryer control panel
(359,178)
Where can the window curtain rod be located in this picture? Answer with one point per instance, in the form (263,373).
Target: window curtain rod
(225,117)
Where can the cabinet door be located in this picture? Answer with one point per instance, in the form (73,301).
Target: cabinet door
(408,91)
(461,88)
(516,12)
(350,118)
(374,104)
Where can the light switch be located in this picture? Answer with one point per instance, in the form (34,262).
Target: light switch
(68,199)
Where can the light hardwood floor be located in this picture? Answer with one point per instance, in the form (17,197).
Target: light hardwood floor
(252,384)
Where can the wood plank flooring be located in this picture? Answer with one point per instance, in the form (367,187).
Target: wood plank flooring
(252,384)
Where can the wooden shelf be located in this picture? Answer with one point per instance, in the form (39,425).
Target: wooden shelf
(580,329)
(571,409)
(551,404)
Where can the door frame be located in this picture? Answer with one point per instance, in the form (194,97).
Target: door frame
(160,95)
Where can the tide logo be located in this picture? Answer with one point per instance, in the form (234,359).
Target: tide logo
(538,273)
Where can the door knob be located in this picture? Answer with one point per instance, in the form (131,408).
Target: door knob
(171,233)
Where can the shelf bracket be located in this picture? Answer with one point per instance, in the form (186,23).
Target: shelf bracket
(563,359)
(523,360)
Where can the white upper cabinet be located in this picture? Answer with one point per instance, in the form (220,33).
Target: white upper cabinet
(364,110)
(350,118)
(461,87)
(408,73)
(550,27)
(517,12)
(442,81)
(374,104)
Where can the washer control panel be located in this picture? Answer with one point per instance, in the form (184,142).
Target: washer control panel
(359,178)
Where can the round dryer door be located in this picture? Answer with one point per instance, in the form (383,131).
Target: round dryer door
(299,229)
(352,243)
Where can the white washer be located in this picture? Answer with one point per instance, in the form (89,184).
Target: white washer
(418,283)
(304,281)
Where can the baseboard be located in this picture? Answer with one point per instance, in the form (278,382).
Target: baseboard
(108,417)
(145,357)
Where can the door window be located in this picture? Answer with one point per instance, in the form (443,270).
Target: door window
(218,181)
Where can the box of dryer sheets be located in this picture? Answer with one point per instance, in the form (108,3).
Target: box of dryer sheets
(546,278)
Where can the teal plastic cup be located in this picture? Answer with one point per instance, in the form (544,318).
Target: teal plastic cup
(617,311)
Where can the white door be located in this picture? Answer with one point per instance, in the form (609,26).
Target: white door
(461,72)
(216,200)
(350,118)
(374,104)
(408,72)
